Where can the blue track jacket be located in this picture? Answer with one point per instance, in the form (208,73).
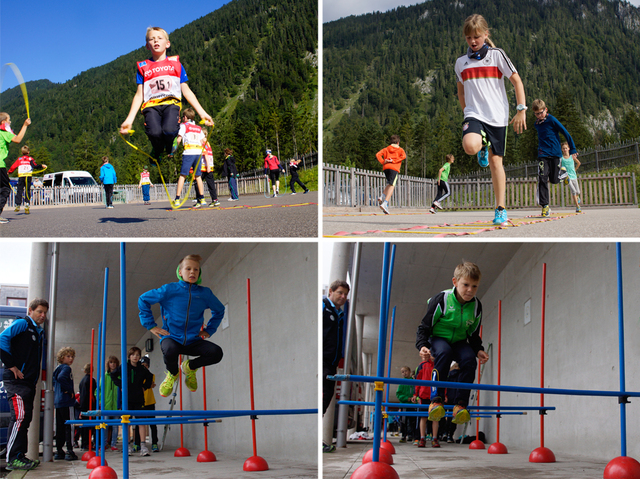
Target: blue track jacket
(65,395)
(549,140)
(21,346)
(182,307)
(108,174)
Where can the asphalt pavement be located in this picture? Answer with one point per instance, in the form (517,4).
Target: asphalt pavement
(252,216)
(414,224)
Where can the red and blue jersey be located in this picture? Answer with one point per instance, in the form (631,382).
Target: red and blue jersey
(161,81)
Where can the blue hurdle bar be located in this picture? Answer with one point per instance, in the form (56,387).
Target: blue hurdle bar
(479,408)
(199,414)
(484,387)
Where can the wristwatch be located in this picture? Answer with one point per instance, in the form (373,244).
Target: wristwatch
(521,107)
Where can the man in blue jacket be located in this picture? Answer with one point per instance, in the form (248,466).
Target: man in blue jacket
(21,353)
(182,307)
(108,179)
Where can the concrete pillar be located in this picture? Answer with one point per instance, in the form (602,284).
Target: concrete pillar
(38,288)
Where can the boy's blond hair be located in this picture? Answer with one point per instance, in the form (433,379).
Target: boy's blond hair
(4,116)
(65,352)
(25,150)
(87,368)
(189,113)
(477,24)
(192,257)
(538,105)
(155,29)
(467,269)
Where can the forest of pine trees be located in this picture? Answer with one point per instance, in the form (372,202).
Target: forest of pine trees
(393,73)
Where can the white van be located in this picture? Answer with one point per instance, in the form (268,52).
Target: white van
(69,178)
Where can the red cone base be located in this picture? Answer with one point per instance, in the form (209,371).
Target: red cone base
(206,456)
(497,448)
(94,462)
(542,454)
(375,470)
(388,446)
(622,467)
(88,455)
(477,444)
(103,472)
(384,456)
(255,463)
(181,452)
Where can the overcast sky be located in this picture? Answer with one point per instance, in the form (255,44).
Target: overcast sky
(15,262)
(335,9)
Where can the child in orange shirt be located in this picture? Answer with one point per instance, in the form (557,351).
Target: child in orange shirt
(391,158)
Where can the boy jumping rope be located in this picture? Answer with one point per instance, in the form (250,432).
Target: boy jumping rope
(194,140)
(443,184)
(391,158)
(162,81)
(550,167)
(25,165)
(451,331)
(182,307)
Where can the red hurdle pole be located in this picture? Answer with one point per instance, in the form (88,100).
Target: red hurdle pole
(181,451)
(255,462)
(497,447)
(542,454)
(90,454)
(206,455)
(477,443)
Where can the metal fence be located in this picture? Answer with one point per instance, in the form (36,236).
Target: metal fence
(357,187)
(86,195)
(308,161)
(593,160)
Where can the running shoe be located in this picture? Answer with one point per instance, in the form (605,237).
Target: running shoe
(215,203)
(21,464)
(26,209)
(381,199)
(385,207)
(437,203)
(432,210)
(416,442)
(130,451)
(201,204)
(70,456)
(293,192)
(275,195)
(546,211)
(483,157)
(450,439)
(110,206)
(436,411)
(114,448)
(460,415)
(176,203)
(435,443)
(135,448)
(422,442)
(166,387)
(305,191)
(402,440)
(59,456)
(16,209)
(500,216)
(564,176)
(35,461)
(429,437)
(190,379)
(3,220)
(328,448)
(144,451)
(578,209)
(155,448)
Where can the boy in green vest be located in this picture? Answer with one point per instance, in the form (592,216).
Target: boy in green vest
(443,184)
(450,331)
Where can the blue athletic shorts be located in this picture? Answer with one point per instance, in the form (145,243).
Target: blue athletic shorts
(191,161)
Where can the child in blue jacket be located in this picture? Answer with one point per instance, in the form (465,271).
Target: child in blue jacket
(64,401)
(182,307)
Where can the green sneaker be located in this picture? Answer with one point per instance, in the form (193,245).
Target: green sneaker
(21,464)
(166,387)
(190,376)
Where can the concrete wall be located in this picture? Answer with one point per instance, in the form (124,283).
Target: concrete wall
(581,346)
(284,291)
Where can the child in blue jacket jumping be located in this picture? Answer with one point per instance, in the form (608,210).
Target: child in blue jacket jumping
(182,307)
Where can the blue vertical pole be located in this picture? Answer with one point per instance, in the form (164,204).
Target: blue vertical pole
(101,365)
(393,323)
(123,351)
(98,432)
(387,268)
(623,415)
